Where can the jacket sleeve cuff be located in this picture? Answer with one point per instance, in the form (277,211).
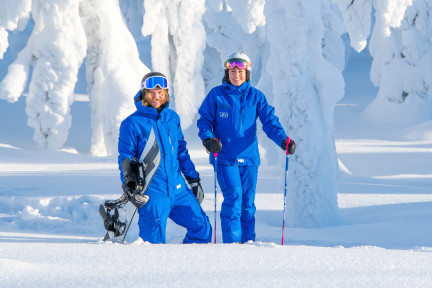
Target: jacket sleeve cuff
(190,179)
(206,135)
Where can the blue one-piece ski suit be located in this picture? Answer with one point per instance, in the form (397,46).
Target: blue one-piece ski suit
(229,113)
(169,196)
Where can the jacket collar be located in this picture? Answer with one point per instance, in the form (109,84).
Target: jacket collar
(150,112)
(242,89)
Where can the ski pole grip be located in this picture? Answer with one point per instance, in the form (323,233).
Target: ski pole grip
(286,148)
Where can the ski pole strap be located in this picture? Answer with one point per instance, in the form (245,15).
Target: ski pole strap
(287,144)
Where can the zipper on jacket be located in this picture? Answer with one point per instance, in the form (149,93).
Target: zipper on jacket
(171,143)
(160,124)
(241,110)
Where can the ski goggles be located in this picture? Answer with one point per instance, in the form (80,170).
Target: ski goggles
(153,82)
(240,63)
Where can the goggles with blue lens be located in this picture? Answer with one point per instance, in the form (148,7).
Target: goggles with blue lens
(153,82)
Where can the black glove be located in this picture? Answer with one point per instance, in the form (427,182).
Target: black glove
(212,145)
(137,199)
(196,188)
(291,146)
(129,188)
(131,172)
(133,183)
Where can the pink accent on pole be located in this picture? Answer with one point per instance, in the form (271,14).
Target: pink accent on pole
(283,228)
(288,142)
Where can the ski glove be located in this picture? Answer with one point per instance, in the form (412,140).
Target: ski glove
(129,188)
(136,199)
(291,146)
(131,172)
(212,145)
(196,188)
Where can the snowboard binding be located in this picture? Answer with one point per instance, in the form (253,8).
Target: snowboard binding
(112,222)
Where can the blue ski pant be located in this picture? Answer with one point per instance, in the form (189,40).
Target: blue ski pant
(238,185)
(183,209)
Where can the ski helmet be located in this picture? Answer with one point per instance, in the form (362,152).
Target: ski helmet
(240,56)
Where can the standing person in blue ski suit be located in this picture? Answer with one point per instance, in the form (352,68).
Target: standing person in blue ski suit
(169,196)
(228,126)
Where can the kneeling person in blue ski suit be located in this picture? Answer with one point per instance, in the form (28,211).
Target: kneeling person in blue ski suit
(169,196)
(229,114)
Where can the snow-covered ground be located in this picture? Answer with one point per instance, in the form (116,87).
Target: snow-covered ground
(50,230)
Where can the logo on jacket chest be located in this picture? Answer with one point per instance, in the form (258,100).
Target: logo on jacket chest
(223,114)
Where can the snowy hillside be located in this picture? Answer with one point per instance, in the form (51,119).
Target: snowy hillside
(50,230)
(359,205)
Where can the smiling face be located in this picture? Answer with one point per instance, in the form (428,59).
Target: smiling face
(155,97)
(237,76)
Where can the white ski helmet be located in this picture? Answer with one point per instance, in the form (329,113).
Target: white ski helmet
(239,55)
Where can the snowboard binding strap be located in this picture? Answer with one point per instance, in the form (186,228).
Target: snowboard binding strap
(111,221)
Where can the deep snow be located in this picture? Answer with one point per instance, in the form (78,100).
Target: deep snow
(50,230)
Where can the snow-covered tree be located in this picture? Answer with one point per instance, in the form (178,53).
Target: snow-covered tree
(249,14)
(388,15)
(55,50)
(402,54)
(401,47)
(233,26)
(3,41)
(133,11)
(333,44)
(12,17)
(178,43)
(357,20)
(113,71)
(306,87)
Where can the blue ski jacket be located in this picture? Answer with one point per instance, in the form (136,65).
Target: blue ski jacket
(229,113)
(175,159)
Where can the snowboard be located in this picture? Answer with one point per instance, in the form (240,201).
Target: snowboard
(121,212)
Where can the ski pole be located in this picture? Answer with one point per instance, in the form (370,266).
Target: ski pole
(286,177)
(215,183)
